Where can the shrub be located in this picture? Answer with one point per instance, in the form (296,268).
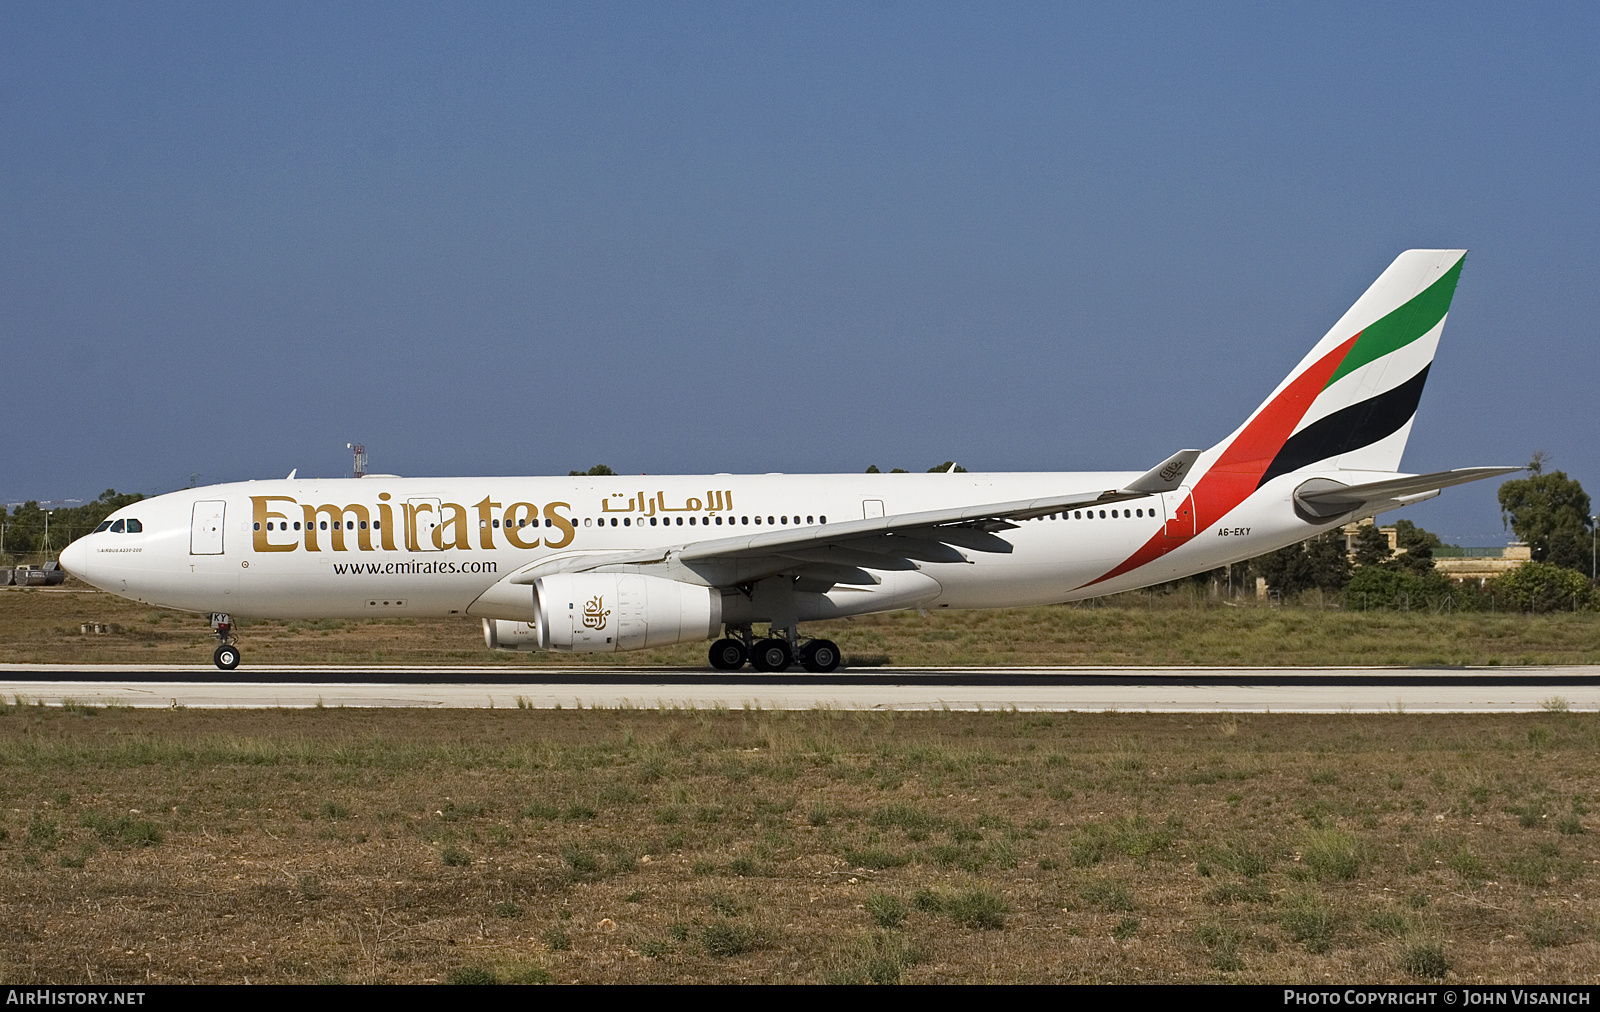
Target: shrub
(907,817)
(1332,855)
(1389,587)
(1223,941)
(877,959)
(1126,928)
(875,858)
(1107,894)
(1424,959)
(124,830)
(556,939)
(887,911)
(928,901)
(722,940)
(980,909)
(1541,587)
(472,975)
(454,857)
(579,860)
(1309,920)
(1246,892)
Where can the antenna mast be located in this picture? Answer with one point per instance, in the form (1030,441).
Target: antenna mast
(361,458)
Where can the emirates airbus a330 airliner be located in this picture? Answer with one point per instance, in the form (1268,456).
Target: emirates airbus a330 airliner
(607,564)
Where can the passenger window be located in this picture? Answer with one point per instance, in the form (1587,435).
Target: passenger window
(297,525)
(680,521)
(652,521)
(364,524)
(377,524)
(118,527)
(1102,514)
(104,524)
(745,521)
(758,521)
(719,521)
(769,520)
(1113,514)
(691,521)
(810,521)
(587,521)
(823,519)
(627,521)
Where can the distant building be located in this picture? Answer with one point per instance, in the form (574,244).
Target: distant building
(1458,564)
(1480,564)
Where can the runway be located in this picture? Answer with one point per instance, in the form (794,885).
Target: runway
(1092,689)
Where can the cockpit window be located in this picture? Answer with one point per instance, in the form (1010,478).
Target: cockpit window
(103,525)
(134,527)
(116,528)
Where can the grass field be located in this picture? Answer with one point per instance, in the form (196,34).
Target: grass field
(641,845)
(43,627)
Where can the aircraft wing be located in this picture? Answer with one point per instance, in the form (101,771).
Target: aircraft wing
(844,552)
(1324,497)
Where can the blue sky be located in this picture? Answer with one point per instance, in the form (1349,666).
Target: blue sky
(520,239)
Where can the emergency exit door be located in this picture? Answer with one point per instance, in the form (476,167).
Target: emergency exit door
(205,527)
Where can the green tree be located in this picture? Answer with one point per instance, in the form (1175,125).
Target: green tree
(597,471)
(946,466)
(873,469)
(1371,546)
(1318,562)
(1418,546)
(1327,561)
(1550,512)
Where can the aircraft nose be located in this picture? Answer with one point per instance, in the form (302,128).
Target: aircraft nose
(75,559)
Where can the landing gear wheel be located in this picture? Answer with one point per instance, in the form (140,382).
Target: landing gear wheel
(226,657)
(819,656)
(770,655)
(727,655)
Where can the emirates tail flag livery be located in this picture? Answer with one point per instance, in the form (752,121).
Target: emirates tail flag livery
(611,563)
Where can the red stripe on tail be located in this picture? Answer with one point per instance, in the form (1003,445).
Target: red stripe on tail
(1238,471)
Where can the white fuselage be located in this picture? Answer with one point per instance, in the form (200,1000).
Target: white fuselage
(434,546)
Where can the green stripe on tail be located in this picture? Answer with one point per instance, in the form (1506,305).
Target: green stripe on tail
(1402,326)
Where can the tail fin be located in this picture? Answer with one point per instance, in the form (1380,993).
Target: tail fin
(1350,402)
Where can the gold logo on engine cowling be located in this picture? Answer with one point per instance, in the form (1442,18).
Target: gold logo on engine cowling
(595,613)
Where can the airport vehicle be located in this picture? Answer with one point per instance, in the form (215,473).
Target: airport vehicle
(605,564)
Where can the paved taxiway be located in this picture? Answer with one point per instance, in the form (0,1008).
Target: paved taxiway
(1194,690)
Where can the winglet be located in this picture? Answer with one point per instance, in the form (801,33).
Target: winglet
(1167,475)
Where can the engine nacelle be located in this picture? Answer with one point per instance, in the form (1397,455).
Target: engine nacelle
(500,634)
(589,613)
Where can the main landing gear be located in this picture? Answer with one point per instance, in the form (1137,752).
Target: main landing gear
(773,654)
(226,656)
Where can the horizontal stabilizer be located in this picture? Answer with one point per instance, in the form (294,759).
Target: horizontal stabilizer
(1323,497)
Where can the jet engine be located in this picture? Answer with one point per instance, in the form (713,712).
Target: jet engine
(589,613)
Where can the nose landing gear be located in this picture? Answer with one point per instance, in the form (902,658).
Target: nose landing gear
(226,656)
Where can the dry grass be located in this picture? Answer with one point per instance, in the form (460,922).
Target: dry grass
(42,627)
(632,845)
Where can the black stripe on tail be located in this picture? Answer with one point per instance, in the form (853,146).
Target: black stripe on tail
(1351,428)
